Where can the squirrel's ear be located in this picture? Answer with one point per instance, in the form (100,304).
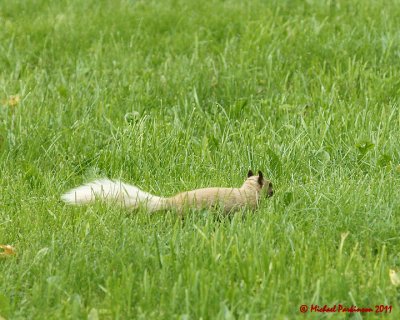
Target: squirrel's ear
(260,178)
(250,174)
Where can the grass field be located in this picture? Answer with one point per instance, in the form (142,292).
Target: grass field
(174,95)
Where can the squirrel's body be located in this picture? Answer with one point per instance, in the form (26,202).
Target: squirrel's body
(228,199)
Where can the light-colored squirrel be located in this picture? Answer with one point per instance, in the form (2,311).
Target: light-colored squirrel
(248,195)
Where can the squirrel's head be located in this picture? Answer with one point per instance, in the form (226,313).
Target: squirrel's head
(260,183)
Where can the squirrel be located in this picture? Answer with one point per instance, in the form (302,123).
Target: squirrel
(228,199)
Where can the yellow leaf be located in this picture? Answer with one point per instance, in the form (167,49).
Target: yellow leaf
(394,277)
(7,250)
(13,101)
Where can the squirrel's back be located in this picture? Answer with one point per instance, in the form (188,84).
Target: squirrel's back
(226,198)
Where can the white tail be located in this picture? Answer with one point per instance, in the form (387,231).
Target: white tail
(117,191)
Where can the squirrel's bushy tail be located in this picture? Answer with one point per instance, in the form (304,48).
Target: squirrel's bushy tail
(113,191)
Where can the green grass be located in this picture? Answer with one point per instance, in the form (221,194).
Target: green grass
(174,95)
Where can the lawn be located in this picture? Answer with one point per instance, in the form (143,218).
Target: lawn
(180,94)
